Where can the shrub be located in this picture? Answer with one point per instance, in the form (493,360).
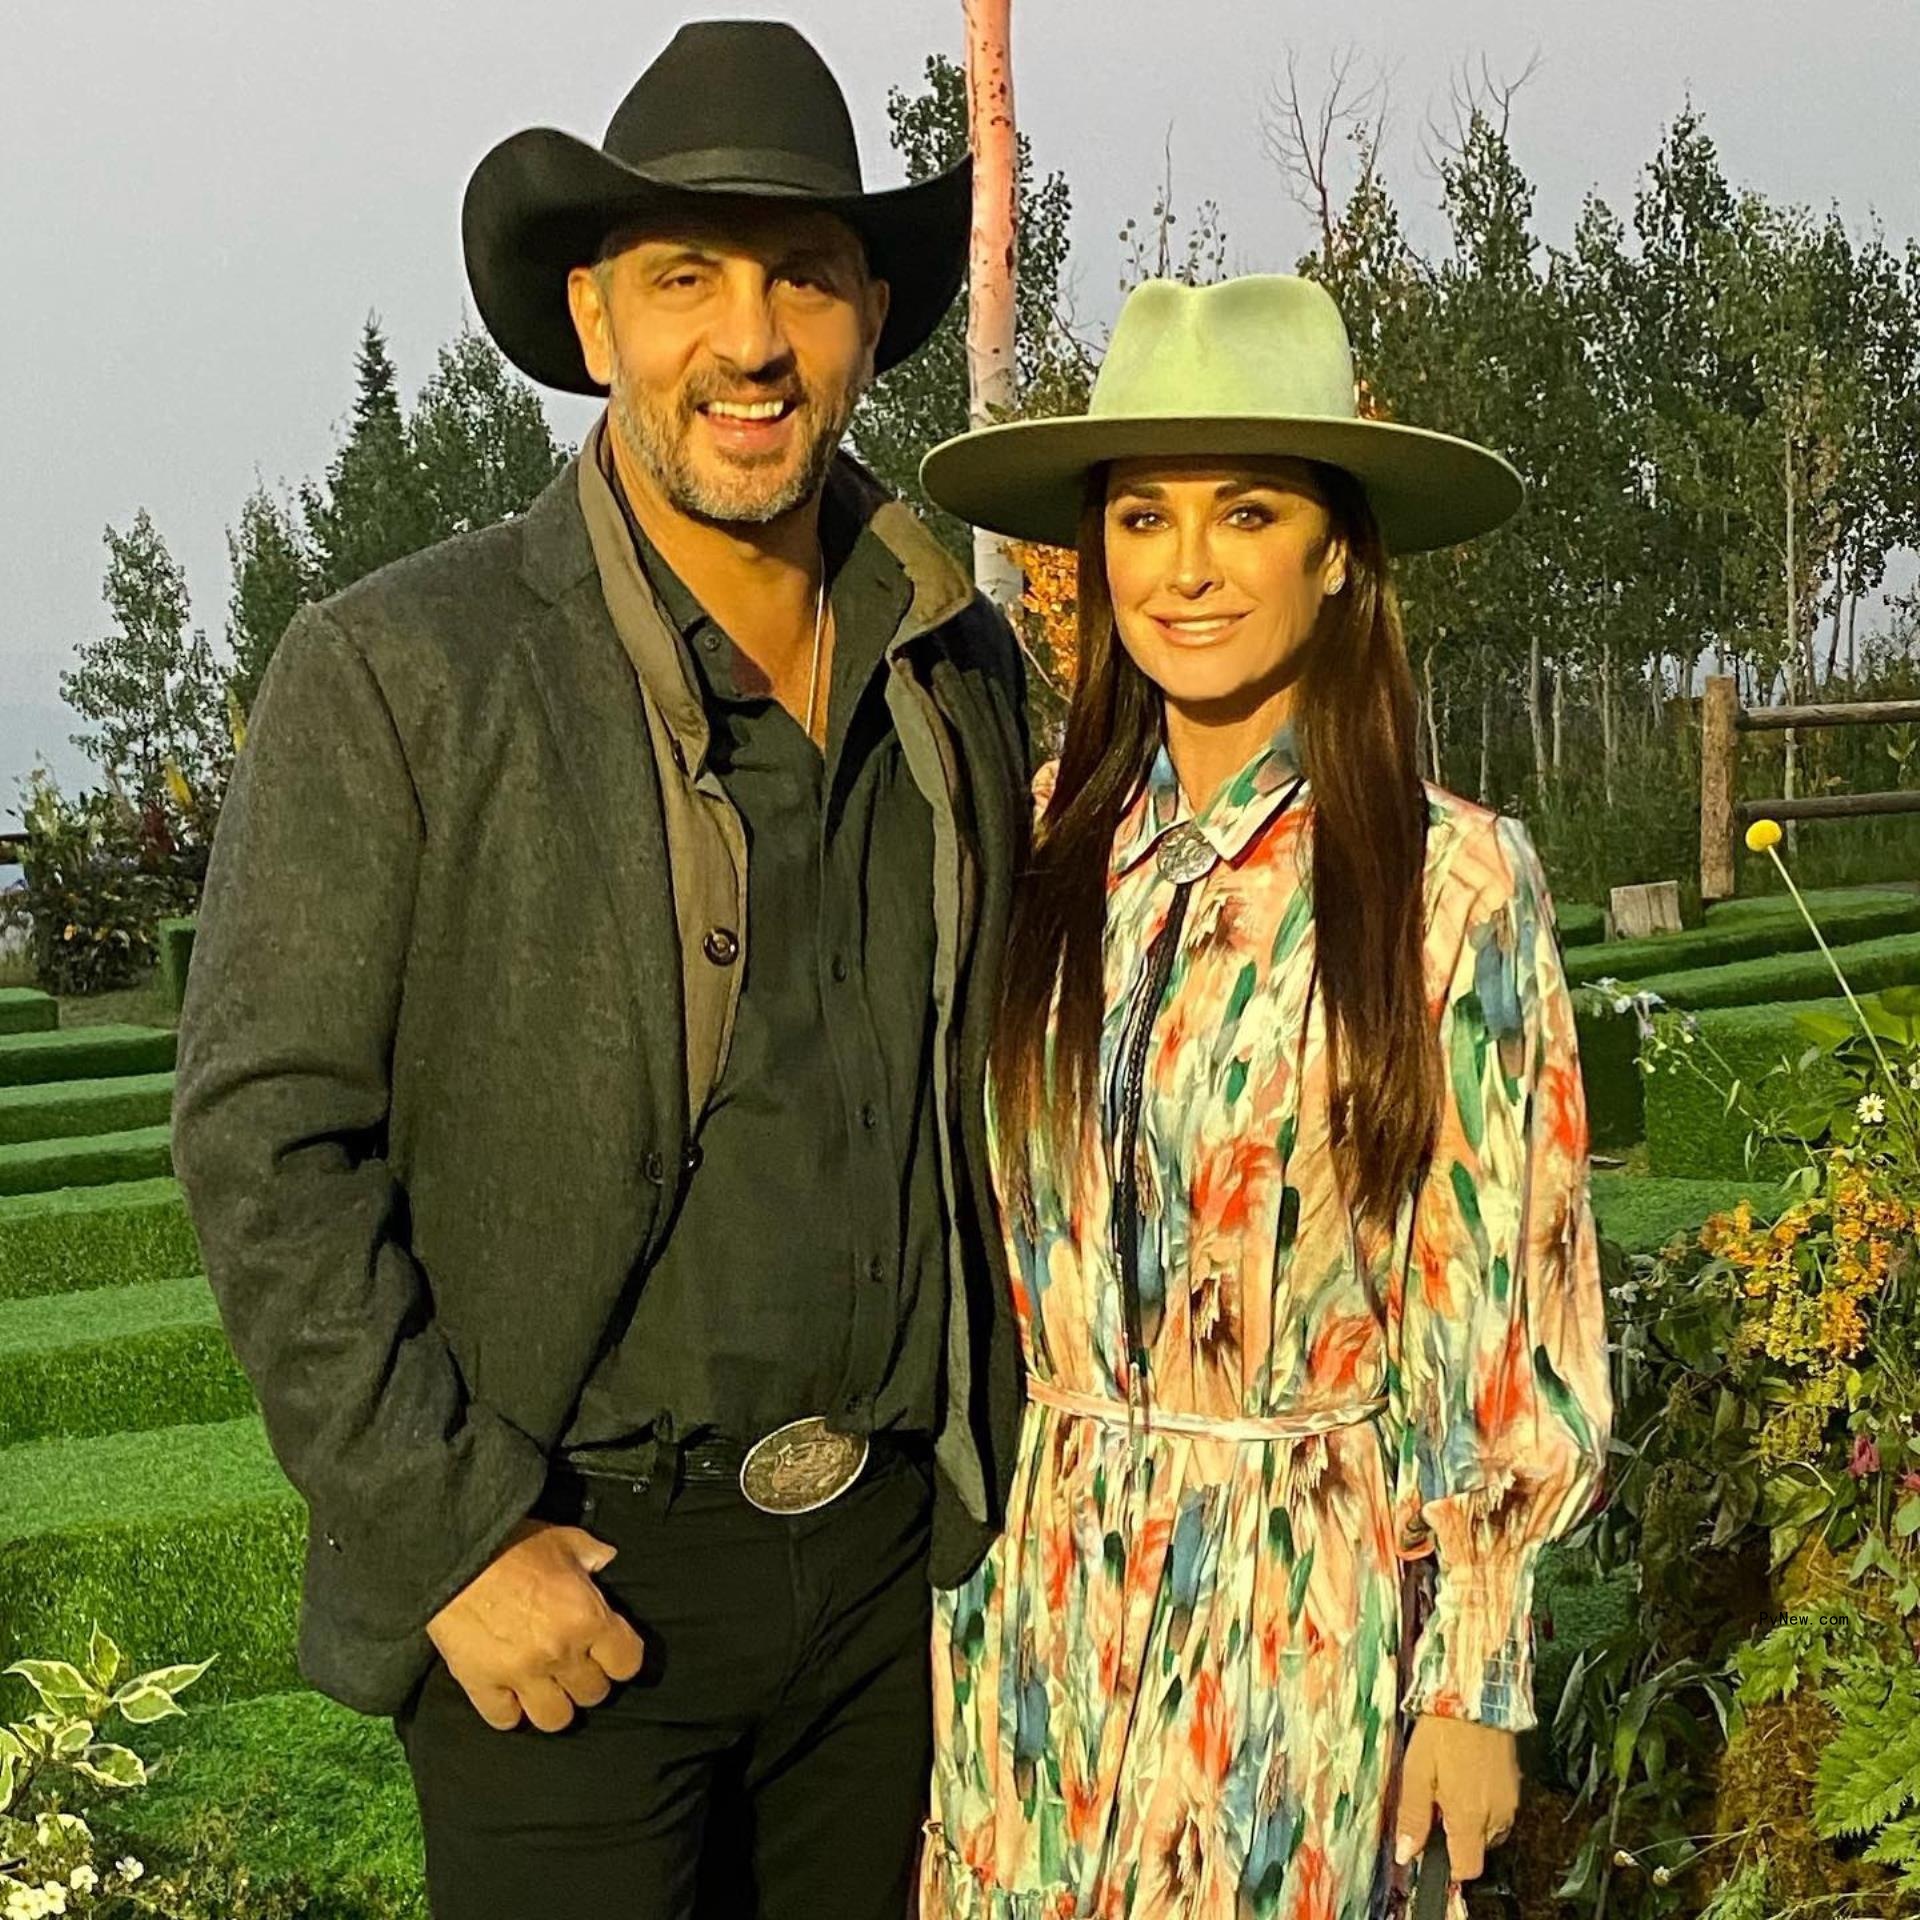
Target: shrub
(100,876)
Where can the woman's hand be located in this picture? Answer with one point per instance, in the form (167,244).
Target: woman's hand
(1472,1773)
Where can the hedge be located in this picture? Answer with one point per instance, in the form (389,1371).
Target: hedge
(1579,925)
(42,1166)
(1869,965)
(176,955)
(28,1010)
(65,1109)
(95,1237)
(316,1801)
(116,1360)
(1761,927)
(1610,1074)
(1690,1136)
(1641,1212)
(183,1543)
(84,1053)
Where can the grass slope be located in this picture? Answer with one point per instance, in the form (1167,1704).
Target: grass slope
(116,1360)
(183,1543)
(1641,1212)
(66,1109)
(41,1166)
(27,1010)
(318,1798)
(84,1053)
(121,1235)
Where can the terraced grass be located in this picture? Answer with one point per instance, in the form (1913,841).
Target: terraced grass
(116,1360)
(27,1010)
(67,1241)
(43,1166)
(84,1053)
(185,1542)
(1868,964)
(1750,930)
(67,1109)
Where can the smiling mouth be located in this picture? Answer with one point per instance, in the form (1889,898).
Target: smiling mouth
(1197,632)
(748,413)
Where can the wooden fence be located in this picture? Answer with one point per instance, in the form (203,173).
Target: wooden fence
(1723,720)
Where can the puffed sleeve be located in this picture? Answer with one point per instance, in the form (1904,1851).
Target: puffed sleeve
(1500,1380)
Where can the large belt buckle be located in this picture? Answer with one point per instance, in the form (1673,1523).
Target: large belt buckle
(801,1466)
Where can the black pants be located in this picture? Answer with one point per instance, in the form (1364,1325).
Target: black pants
(769,1761)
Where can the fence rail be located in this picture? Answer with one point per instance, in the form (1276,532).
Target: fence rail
(1723,720)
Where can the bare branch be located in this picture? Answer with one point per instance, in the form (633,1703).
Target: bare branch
(1300,142)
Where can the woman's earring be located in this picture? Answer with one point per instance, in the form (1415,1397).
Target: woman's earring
(1334,586)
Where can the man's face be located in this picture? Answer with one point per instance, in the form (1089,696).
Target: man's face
(734,348)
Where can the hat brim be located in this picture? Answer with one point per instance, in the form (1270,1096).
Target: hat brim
(542,202)
(1027,478)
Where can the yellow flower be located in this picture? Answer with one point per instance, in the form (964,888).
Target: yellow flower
(1762,835)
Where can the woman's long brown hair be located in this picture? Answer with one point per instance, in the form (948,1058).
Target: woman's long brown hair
(1354,719)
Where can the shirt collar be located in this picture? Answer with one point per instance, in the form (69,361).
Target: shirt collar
(1230,821)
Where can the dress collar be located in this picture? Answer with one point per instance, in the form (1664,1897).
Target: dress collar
(1230,820)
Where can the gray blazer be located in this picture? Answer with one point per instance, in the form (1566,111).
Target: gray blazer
(434,1085)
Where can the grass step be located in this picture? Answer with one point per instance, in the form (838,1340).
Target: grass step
(116,1360)
(1641,1212)
(313,1800)
(28,1010)
(1869,965)
(84,1053)
(64,1109)
(183,1543)
(40,1166)
(1750,930)
(87,1237)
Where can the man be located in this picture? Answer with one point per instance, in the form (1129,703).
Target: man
(580,1089)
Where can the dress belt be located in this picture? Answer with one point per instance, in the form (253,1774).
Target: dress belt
(1149,1418)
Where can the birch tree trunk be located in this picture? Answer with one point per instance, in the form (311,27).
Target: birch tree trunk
(1536,716)
(1437,770)
(1559,716)
(1788,784)
(992,265)
(1486,744)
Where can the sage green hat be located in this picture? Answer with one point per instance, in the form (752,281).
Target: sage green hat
(1258,365)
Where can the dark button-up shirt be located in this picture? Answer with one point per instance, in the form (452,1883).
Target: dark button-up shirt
(805,1270)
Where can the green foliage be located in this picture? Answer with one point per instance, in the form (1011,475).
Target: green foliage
(1641,1213)
(474,449)
(100,876)
(924,400)
(151,686)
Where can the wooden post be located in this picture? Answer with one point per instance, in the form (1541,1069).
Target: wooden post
(992,266)
(1640,911)
(1719,751)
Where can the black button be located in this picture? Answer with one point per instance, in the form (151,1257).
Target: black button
(654,1166)
(692,1157)
(839,966)
(721,946)
(333,1543)
(876,1271)
(710,640)
(869,1116)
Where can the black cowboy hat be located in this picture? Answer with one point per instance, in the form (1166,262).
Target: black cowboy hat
(733,109)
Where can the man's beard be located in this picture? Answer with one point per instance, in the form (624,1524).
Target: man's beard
(656,434)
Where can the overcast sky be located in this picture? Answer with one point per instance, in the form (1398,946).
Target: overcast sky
(201,200)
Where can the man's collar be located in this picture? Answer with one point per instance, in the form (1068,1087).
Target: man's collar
(1230,820)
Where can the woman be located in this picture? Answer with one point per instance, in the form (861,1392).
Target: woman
(1289,1130)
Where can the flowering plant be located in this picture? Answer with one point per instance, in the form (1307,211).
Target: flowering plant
(47,1864)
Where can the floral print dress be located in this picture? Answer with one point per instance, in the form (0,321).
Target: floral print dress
(1174,1688)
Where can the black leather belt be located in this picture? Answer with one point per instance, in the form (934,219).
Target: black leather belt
(715,1461)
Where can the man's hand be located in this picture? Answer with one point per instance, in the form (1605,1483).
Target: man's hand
(1472,1772)
(531,1633)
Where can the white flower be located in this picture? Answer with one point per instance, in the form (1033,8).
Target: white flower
(1622,1004)
(23,1903)
(83,1879)
(128,1868)
(55,1897)
(1913,1076)
(1871,1111)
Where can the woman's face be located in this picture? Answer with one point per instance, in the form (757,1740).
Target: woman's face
(1217,568)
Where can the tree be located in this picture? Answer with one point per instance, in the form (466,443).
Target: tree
(993,277)
(151,686)
(475,449)
(924,400)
